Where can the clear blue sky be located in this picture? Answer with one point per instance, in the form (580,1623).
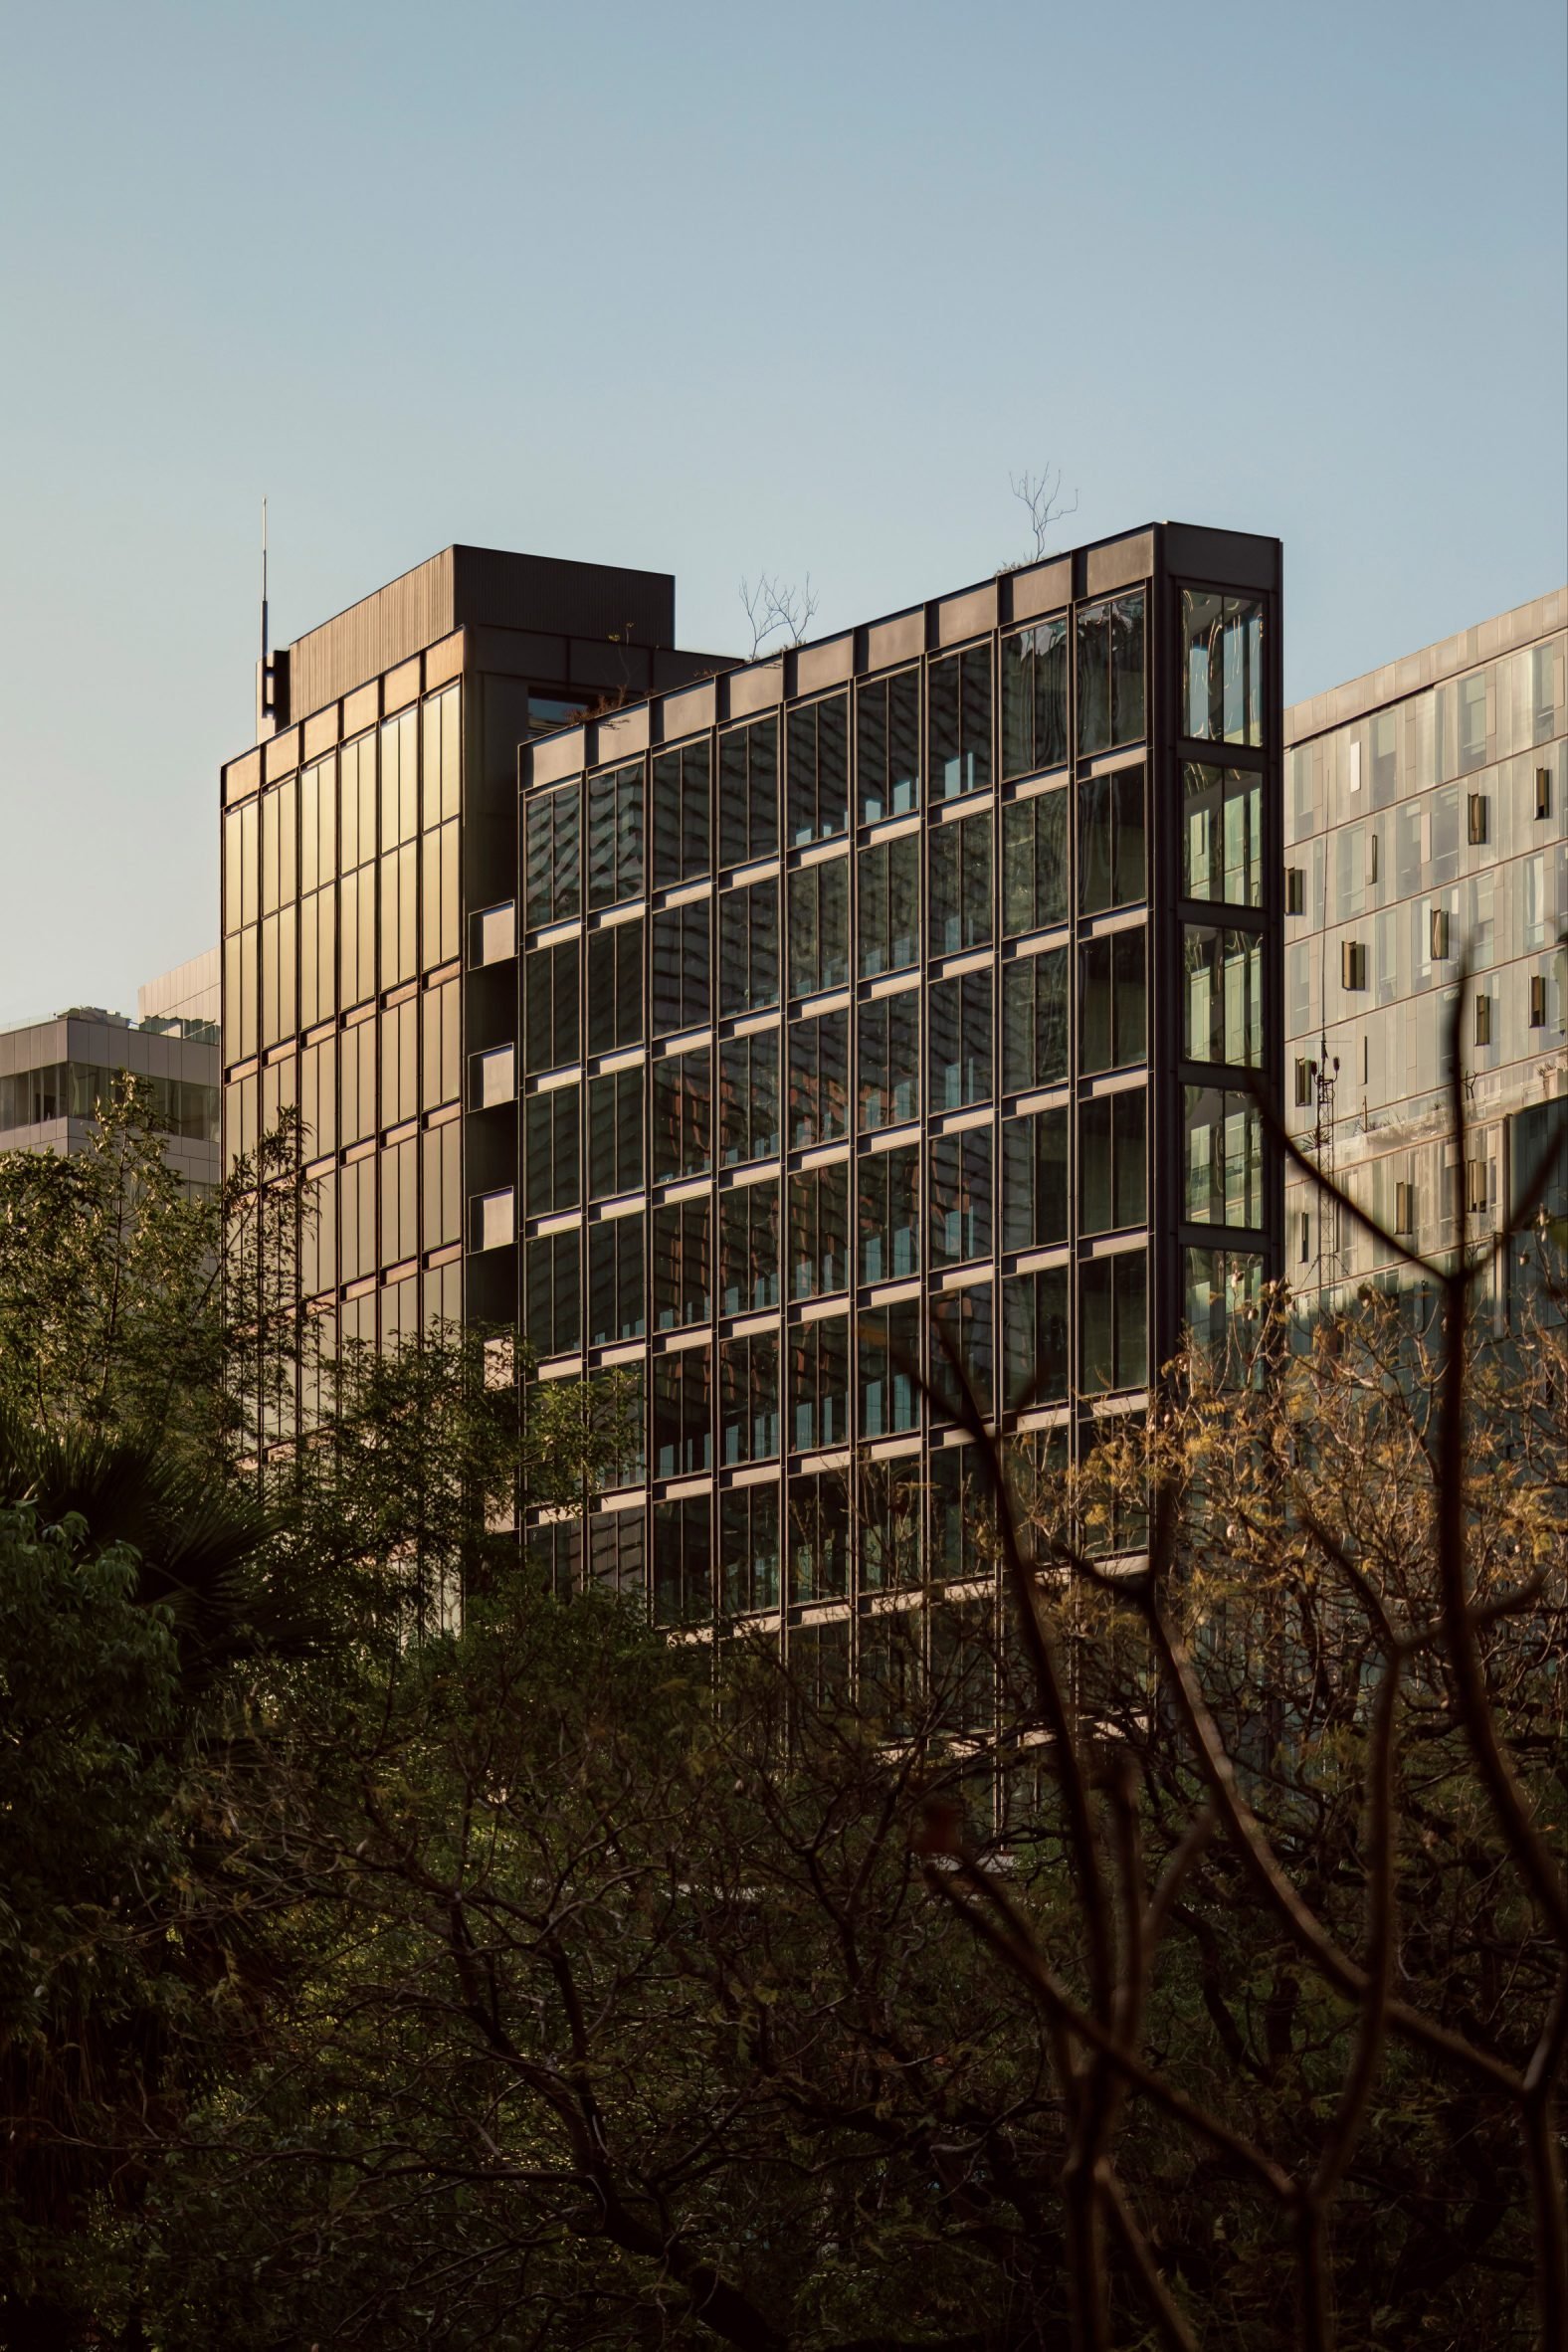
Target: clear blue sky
(712,290)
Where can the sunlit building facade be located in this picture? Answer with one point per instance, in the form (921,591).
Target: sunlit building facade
(1427,862)
(360,832)
(880,1015)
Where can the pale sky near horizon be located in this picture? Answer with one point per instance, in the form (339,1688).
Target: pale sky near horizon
(712,290)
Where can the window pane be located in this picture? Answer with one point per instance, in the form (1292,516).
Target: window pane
(1035,1020)
(749,1097)
(962,892)
(1035,697)
(1111,674)
(551,861)
(890,1059)
(682,959)
(959,718)
(960,1181)
(888,879)
(1035,862)
(889,1340)
(960,1041)
(963,1349)
(1222,1009)
(748,960)
(1112,1002)
(818,770)
(682,825)
(889,1214)
(749,812)
(1224,1157)
(819,1079)
(819,927)
(1222,665)
(888,745)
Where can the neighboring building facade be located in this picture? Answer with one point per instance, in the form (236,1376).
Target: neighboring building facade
(189,996)
(377,810)
(1426,820)
(56,1075)
(895,996)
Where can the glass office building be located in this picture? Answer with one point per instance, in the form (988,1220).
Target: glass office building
(375,812)
(875,1013)
(1426,823)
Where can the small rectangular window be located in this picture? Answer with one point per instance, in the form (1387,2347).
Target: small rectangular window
(1483,1020)
(681,1123)
(958,704)
(1304,1236)
(1537,1000)
(1224,1154)
(1035,1020)
(1114,1322)
(748,1244)
(1404,1208)
(888,1067)
(1034,1180)
(818,782)
(749,793)
(553,1302)
(819,927)
(749,1098)
(615,1133)
(959,1041)
(1034,862)
(819,1231)
(549,1151)
(553,856)
(615,986)
(617,1288)
(748,948)
(1353,963)
(682,813)
(1110,849)
(1222,667)
(683,1262)
(888,883)
(1478,1187)
(961,1196)
(682,966)
(1111,1185)
(1543,792)
(1305,1081)
(1037,1366)
(1035,697)
(889,1223)
(1222,1008)
(962,898)
(887,747)
(1110,675)
(615,836)
(1440,934)
(1479,819)
(819,1081)
(551,1006)
(1295,890)
(1111,1003)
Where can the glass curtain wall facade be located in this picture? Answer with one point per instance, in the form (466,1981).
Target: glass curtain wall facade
(1427,832)
(342,942)
(362,842)
(887,1013)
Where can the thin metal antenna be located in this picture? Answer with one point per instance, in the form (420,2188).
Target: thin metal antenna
(263,584)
